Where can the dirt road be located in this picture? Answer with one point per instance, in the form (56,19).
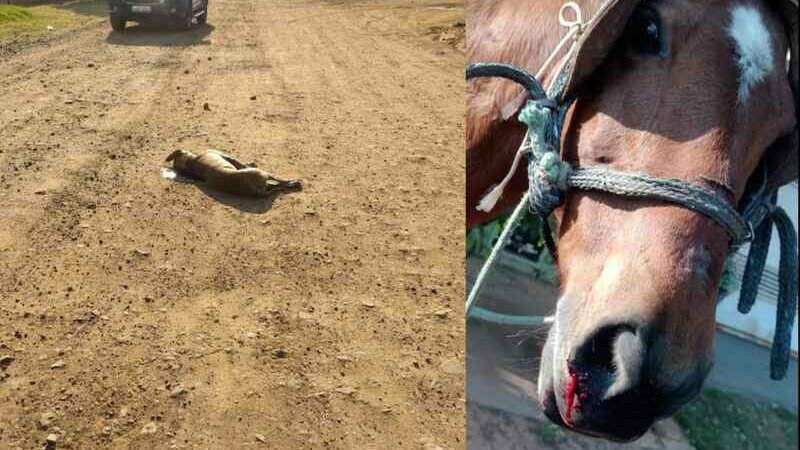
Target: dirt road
(141,313)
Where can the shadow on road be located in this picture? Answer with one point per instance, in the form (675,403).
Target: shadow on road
(252,205)
(160,35)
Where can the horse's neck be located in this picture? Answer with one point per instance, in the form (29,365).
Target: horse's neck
(512,31)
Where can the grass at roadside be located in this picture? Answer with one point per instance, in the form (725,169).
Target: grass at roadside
(10,13)
(723,421)
(18,21)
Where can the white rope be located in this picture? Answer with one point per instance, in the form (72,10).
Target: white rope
(487,315)
(510,225)
(575,26)
(488,202)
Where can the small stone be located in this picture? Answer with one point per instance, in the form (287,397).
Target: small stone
(52,438)
(178,391)
(260,438)
(442,313)
(280,353)
(430,446)
(452,366)
(40,191)
(90,65)
(368,304)
(6,361)
(141,252)
(47,419)
(58,364)
(150,428)
(206,106)
(252,97)
(346,390)
(250,335)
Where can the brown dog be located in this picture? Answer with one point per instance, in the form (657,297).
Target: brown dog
(224,173)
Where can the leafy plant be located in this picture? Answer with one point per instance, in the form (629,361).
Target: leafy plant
(526,240)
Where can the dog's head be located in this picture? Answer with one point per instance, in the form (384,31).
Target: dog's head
(175,154)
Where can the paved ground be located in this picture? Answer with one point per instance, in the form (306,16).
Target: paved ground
(139,313)
(502,366)
(743,367)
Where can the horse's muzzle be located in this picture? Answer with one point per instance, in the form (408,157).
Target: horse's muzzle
(608,384)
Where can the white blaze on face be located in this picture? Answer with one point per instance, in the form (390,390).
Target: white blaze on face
(754,53)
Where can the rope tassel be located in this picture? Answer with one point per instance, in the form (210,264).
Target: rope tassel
(787,296)
(489,200)
(787,275)
(754,267)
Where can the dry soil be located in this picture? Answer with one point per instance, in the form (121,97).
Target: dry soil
(141,313)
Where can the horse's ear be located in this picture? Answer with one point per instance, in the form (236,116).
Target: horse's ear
(604,23)
(781,158)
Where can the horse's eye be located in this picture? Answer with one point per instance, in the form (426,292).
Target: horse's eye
(644,32)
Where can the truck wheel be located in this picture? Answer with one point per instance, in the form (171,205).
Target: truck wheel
(203,18)
(186,21)
(118,23)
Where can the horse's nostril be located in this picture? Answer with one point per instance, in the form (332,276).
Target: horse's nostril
(597,352)
(611,359)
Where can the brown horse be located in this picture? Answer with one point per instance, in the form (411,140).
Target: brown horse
(695,90)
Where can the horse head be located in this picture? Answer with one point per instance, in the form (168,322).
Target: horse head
(697,91)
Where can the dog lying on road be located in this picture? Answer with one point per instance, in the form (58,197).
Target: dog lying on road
(224,173)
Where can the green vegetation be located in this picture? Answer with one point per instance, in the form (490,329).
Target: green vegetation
(16,21)
(722,421)
(10,13)
(481,239)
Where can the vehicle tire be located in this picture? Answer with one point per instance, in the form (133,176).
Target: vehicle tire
(186,21)
(118,23)
(203,18)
